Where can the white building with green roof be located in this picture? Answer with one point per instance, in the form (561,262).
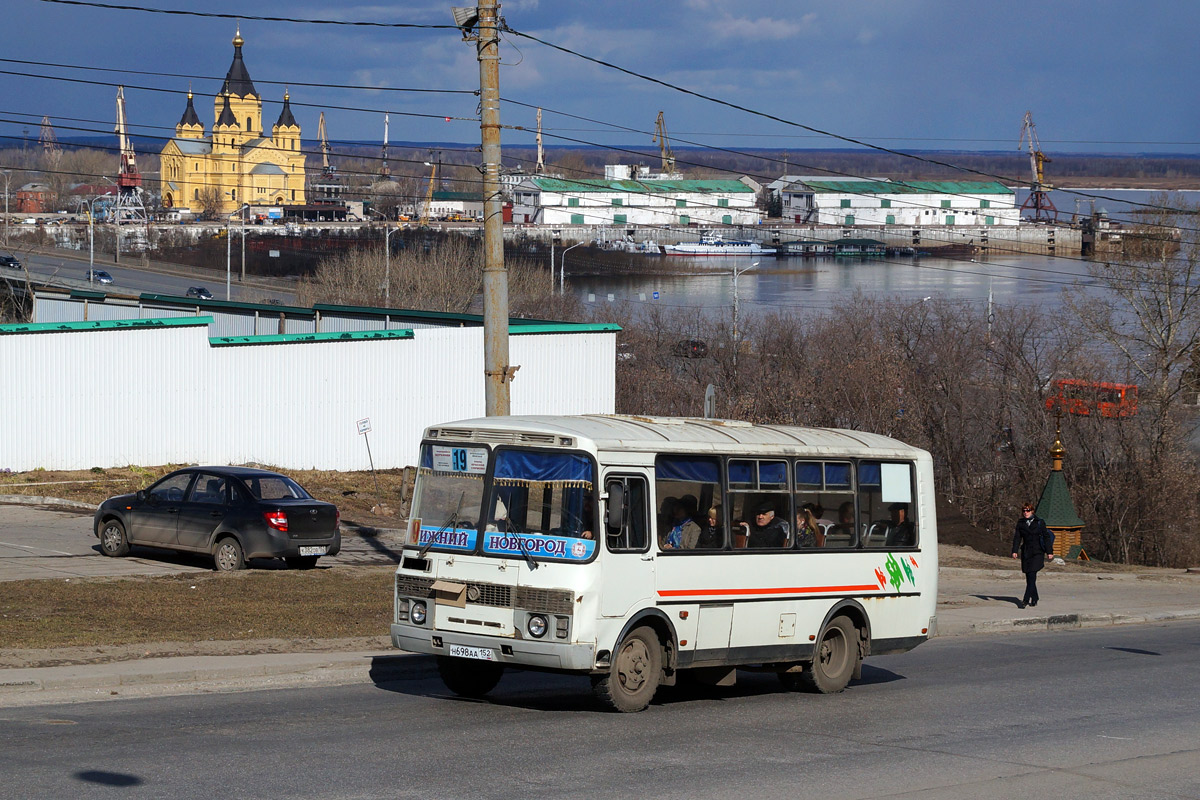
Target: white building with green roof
(909,203)
(567,201)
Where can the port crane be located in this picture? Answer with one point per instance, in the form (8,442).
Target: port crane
(49,142)
(326,170)
(433,166)
(1039,200)
(664,147)
(129,205)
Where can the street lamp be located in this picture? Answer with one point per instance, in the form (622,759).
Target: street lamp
(7,176)
(736,273)
(91,204)
(387,257)
(562,272)
(229,251)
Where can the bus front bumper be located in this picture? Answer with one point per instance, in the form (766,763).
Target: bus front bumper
(517,652)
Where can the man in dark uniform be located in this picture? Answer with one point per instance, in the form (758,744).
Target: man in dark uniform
(1029,546)
(767,530)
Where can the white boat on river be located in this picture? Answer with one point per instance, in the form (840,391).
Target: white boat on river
(717,246)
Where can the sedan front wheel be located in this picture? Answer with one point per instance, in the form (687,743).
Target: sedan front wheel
(113,541)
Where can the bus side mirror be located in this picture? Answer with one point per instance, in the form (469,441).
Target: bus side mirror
(615,517)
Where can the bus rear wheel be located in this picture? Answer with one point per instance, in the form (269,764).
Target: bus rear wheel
(635,672)
(467,677)
(835,658)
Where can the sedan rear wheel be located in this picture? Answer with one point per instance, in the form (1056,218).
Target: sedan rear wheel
(228,555)
(113,541)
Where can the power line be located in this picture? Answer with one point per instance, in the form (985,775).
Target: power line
(565,138)
(146,73)
(252,17)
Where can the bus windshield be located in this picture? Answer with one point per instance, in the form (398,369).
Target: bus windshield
(449,496)
(542,504)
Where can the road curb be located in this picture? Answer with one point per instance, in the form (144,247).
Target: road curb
(1070,621)
(146,678)
(36,500)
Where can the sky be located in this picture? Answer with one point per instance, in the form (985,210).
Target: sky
(1101,76)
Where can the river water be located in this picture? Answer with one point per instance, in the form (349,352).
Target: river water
(813,284)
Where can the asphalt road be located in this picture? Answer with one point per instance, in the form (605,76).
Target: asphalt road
(132,280)
(38,543)
(1103,713)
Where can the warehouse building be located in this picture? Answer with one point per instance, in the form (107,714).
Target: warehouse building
(564,201)
(911,203)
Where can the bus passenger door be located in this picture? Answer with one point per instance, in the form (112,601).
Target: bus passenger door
(628,572)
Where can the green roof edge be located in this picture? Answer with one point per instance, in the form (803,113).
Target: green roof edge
(309,338)
(106,325)
(224,304)
(566,327)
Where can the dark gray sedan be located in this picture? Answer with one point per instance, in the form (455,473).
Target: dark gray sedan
(232,513)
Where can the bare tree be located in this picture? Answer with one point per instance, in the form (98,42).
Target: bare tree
(209,201)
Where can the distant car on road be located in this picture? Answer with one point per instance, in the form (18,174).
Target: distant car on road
(231,513)
(199,292)
(10,262)
(97,275)
(690,348)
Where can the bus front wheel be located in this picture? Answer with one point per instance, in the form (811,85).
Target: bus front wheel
(635,672)
(469,678)
(835,658)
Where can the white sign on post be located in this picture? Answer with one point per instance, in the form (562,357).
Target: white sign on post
(364,425)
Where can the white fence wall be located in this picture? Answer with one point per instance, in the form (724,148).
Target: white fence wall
(158,395)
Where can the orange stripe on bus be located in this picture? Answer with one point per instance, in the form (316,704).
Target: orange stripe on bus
(782,590)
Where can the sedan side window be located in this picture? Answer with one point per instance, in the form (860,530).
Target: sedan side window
(171,489)
(210,489)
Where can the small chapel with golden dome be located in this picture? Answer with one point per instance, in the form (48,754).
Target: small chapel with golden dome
(237,164)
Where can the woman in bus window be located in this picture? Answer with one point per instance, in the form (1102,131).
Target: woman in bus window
(808,531)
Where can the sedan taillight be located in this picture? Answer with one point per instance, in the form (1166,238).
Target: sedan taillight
(276,520)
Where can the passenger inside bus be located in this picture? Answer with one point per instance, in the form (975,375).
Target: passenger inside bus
(808,531)
(685,531)
(842,534)
(710,531)
(901,532)
(767,530)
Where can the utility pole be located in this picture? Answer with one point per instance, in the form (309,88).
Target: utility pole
(497,372)
(736,342)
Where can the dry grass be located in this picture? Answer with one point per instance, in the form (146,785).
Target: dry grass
(251,605)
(354,493)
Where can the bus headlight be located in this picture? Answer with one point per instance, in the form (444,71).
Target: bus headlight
(417,614)
(402,610)
(536,626)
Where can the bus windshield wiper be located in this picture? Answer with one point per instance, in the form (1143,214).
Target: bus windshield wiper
(452,520)
(521,546)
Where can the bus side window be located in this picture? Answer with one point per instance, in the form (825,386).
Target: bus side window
(886,511)
(688,487)
(631,536)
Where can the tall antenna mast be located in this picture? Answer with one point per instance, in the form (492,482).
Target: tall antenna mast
(384,172)
(541,162)
(326,170)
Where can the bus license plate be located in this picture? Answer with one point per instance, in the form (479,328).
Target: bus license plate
(479,653)
(318,550)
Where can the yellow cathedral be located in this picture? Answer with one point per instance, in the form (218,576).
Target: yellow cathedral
(236,164)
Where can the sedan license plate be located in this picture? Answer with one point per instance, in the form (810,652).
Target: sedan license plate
(318,550)
(479,653)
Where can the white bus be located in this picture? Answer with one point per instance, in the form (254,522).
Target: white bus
(641,550)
